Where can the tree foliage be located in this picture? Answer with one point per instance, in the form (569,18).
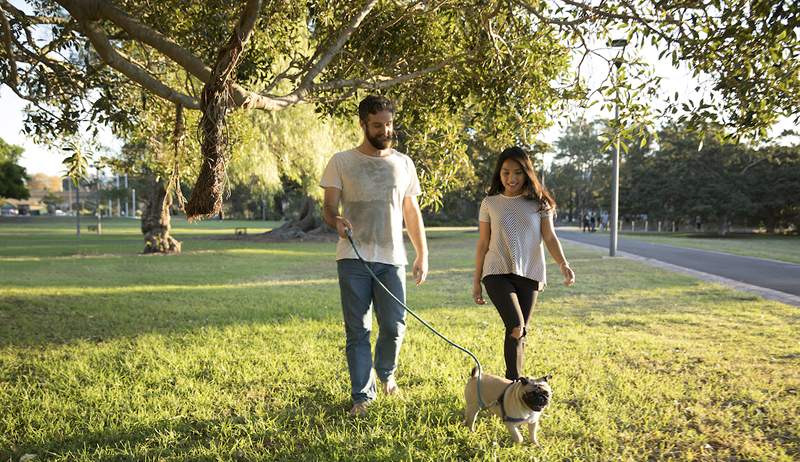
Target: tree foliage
(442,57)
(579,177)
(12,176)
(723,183)
(460,69)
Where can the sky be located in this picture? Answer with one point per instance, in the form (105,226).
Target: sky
(40,159)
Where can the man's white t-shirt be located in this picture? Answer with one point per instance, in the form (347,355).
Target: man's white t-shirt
(373,189)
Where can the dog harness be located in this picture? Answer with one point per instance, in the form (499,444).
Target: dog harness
(506,417)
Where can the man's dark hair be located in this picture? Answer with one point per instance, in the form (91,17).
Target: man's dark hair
(374,104)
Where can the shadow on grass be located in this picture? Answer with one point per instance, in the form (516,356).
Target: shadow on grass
(100,315)
(314,425)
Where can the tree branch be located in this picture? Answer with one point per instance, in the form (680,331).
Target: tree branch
(381,82)
(229,54)
(155,39)
(242,97)
(33,101)
(139,75)
(331,52)
(548,20)
(12,64)
(37,57)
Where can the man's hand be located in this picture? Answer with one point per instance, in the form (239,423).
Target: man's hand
(420,269)
(341,225)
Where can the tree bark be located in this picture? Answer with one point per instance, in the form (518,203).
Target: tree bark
(217,101)
(156,221)
(307,224)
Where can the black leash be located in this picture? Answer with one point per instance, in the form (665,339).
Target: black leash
(349,234)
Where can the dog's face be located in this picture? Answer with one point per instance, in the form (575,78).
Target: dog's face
(536,392)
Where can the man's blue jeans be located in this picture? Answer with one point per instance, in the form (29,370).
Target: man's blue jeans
(358,292)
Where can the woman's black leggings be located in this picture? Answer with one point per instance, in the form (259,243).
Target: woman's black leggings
(514,297)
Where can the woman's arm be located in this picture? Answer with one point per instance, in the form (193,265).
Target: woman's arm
(485,232)
(554,248)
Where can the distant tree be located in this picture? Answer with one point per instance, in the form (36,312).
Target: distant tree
(580,168)
(10,152)
(52,201)
(771,176)
(12,176)
(722,183)
(707,183)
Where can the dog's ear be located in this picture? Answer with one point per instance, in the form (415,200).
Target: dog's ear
(524,380)
(546,378)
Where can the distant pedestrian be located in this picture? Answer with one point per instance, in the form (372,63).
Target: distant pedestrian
(697,223)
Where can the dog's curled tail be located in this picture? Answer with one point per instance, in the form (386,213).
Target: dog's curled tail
(474,372)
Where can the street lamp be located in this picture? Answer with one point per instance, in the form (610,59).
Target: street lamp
(612,245)
(97,212)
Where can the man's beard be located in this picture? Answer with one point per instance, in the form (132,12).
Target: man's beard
(379,142)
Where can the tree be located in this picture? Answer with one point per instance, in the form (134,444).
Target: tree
(721,183)
(772,176)
(52,201)
(746,49)
(579,174)
(279,151)
(690,183)
(441,58)
(12,176)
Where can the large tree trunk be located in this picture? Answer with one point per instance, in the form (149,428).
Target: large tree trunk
(156,221)
(307,224)
(206,198)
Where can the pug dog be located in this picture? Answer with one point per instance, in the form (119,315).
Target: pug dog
(516,402)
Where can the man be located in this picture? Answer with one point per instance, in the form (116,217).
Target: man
(378,188)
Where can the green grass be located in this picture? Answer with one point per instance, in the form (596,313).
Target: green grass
(782,248)
(235,351)
(56,236)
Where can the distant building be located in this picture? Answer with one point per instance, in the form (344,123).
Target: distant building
(39,186)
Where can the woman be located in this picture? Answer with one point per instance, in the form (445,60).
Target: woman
(515,219)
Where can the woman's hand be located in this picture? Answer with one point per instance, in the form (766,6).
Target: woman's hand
(477,294)
(569,275)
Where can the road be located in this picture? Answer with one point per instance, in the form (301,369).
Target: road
(775,275)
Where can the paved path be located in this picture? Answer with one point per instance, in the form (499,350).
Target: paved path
(770,274)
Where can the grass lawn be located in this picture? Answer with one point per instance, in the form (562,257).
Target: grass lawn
(783,248)
(235,351)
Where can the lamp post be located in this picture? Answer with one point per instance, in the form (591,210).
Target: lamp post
(612,245)
(97,212)
(78,209)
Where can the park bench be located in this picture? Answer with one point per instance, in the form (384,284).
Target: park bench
(92,228)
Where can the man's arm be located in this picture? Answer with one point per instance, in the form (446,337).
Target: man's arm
(416,232)
(330,211)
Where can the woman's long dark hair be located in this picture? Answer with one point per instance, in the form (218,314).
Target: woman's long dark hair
(532,189)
